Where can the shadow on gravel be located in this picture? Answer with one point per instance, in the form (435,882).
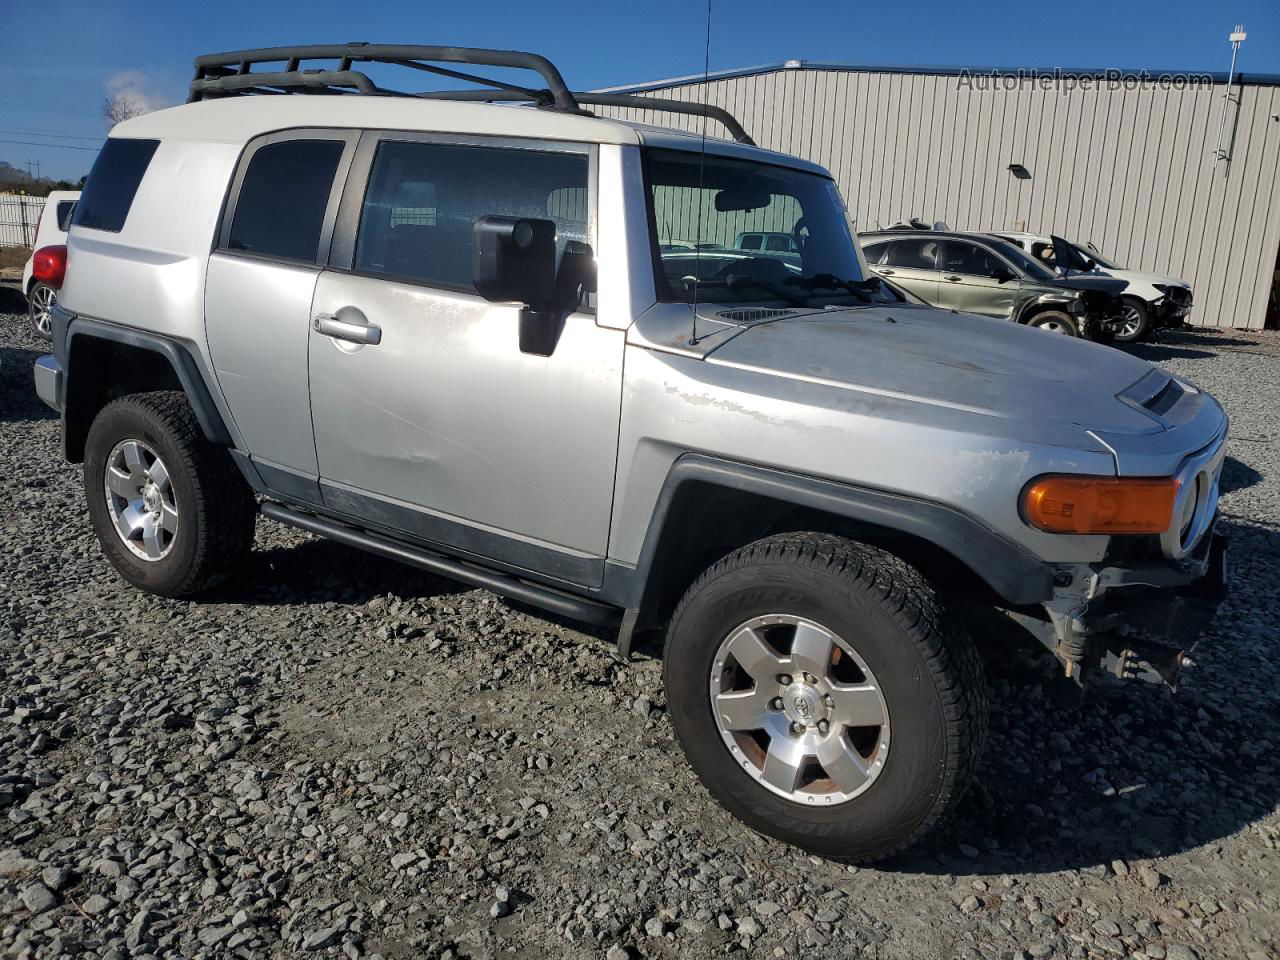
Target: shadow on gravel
(1130,770)
(18,400)
(1155,352)
(321,571)
(1237,476)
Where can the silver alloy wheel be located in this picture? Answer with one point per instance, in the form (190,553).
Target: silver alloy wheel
(41,303)
(799,710)
(1052,326)
(1132,321)
(140,500)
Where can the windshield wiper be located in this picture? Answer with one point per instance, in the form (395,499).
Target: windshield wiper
(862,289)
(736,282)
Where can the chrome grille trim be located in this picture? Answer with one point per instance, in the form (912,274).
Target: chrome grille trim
(1196,504)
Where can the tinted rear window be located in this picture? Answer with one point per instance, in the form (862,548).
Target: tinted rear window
(282,201)
(113,182)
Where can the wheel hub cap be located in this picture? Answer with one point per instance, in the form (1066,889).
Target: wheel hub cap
(140,500)
(799,710)
(802,704)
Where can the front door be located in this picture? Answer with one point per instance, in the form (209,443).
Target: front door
(975,280)
(428,418)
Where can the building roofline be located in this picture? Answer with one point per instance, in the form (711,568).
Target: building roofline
(1243,78)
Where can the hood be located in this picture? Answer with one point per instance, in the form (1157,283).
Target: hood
(959,361)
(1141,276)
(1092,281)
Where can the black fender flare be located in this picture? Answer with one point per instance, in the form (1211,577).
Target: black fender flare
(1051,301)
(1011,570)
(179,357)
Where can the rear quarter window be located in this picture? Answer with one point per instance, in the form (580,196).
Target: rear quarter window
(281,207)
(113,183)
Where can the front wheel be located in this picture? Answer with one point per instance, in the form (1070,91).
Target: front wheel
(40,300)
(1135,321)
(823,697)
(171,511)
(1055,321)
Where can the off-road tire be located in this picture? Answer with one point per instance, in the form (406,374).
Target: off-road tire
(1144,321)
(1063,319)
(929,672)
(216,507)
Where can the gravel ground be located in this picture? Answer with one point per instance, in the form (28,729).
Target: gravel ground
(334,755)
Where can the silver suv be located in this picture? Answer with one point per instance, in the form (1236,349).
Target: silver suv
(518,347)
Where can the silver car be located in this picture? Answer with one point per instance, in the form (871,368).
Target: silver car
(522,348)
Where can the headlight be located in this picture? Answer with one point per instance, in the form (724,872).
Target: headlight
(1070,503)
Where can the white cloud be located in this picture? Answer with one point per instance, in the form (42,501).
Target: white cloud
(137,86)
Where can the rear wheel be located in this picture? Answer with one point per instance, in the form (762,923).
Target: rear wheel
(1055,321)
(822,697)
(40,300)
(1135,323)
(170,509)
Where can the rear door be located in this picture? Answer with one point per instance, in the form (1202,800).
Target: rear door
(976,280)
(911,262)
(260,283)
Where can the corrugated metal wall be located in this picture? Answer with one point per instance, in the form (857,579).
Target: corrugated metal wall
(1132,170)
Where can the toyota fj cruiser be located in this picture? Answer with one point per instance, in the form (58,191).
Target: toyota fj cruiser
(517,346)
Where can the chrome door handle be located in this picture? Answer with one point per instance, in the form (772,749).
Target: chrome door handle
(882,271)
(330,326)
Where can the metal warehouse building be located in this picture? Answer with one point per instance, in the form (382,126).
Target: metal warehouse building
(1160,171)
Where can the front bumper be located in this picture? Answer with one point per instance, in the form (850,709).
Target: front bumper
(1136,622)
(48,377)
(1171,311)
(1147,631)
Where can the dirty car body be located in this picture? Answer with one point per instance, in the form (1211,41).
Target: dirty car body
(521,348)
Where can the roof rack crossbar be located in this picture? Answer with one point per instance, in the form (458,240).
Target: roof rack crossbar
(210,78)
(537,95)
(662,105)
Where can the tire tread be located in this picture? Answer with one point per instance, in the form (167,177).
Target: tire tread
(946,648)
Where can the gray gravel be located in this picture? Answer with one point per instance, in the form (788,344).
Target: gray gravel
(332,755)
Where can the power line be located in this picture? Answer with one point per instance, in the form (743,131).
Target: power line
(58,136)
(55,146)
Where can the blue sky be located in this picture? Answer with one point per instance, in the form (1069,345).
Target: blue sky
(53,80)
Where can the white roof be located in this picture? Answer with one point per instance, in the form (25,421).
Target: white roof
(240,119)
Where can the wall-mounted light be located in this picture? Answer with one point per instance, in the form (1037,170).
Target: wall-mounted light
(1019,171)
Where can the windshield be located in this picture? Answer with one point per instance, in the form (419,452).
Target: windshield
(1105,262)
(737,231)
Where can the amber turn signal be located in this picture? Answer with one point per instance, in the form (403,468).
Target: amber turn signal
(1077,504)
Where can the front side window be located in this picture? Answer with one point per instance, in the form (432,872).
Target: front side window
(723,226)
(113,182)
(423,200)
(959,256)
(283,198)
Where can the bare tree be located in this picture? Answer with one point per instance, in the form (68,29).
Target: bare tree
(122,106)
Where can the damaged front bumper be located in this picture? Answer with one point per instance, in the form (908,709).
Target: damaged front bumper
(1136,623)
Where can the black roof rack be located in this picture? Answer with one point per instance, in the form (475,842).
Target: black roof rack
(232,74)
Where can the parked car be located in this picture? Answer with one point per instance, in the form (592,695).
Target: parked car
(797,476)
(1151,301)
(51,229)
(983,274)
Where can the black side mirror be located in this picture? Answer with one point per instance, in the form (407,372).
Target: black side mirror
(514,258)
(1002,275)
